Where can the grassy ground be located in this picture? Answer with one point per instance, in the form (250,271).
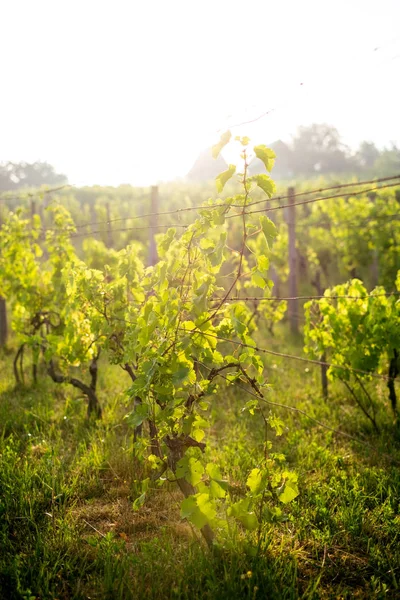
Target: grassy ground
(67,528)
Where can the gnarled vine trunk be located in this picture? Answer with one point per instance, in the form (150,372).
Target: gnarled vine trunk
(176,447)
(393,372)
(19,374)
(89,390)
(3,322)
(316,282)
(139,428)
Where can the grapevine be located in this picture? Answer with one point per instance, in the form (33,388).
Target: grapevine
(362,334)
(162,325)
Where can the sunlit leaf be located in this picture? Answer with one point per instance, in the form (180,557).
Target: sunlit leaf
(241,511)
(266,155)
(198,509)
(222,178)
(216,489)
(189,468)
(256,481)
(276,423)
(139,502)
(258,280)
(224,140)
(290,492)
(265,183)
(269,229)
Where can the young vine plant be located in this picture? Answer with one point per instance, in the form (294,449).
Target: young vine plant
(360,334)
(32,278)
(167,326)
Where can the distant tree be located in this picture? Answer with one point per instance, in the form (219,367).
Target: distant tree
(18,175)
(367,155)
(388,162)
(318,149)
(206,167)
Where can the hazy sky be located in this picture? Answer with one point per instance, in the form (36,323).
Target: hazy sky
(130,91)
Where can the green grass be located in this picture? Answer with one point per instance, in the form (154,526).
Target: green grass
(67,528)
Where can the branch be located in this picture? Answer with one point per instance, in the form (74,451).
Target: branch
(359,403)
(93,403)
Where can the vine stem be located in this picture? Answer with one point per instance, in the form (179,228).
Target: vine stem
(260,519)
(360,404)
(239,271)
(93,403)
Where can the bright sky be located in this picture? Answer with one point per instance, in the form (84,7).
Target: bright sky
(129,91)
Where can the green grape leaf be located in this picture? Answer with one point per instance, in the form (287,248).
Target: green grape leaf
(198,509)
(249,521)
(269,229)
(251,406)
(224,140)
(263,264)
(166,241)
(290,492)
(243,140)
(213,471)
(183,372)
(256,481)
(240,317)
(198,434)
(265,183)
(200,297)
(216,490)
(189,468)
(266,155)
(222,178)
(218,486)
(217,216)
(258,280)
(240,510)
(276,423)
(217,256)
(139,502)
(188,325)
(137,416)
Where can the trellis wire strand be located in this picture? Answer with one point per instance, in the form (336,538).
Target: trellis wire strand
(265,200)
(302,412)
(284,355)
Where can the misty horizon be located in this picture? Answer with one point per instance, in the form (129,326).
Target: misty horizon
(181,175)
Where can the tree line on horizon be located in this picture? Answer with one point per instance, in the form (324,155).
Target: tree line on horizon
(14,176)
(314,150)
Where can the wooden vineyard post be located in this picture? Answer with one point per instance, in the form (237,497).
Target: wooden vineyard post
(375,269)
(93,217)
(153,224)
(324,368)
(324,376)
(3,322)
(109,229)
(3,311)
(292,304)
(273,273)
(33,211)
